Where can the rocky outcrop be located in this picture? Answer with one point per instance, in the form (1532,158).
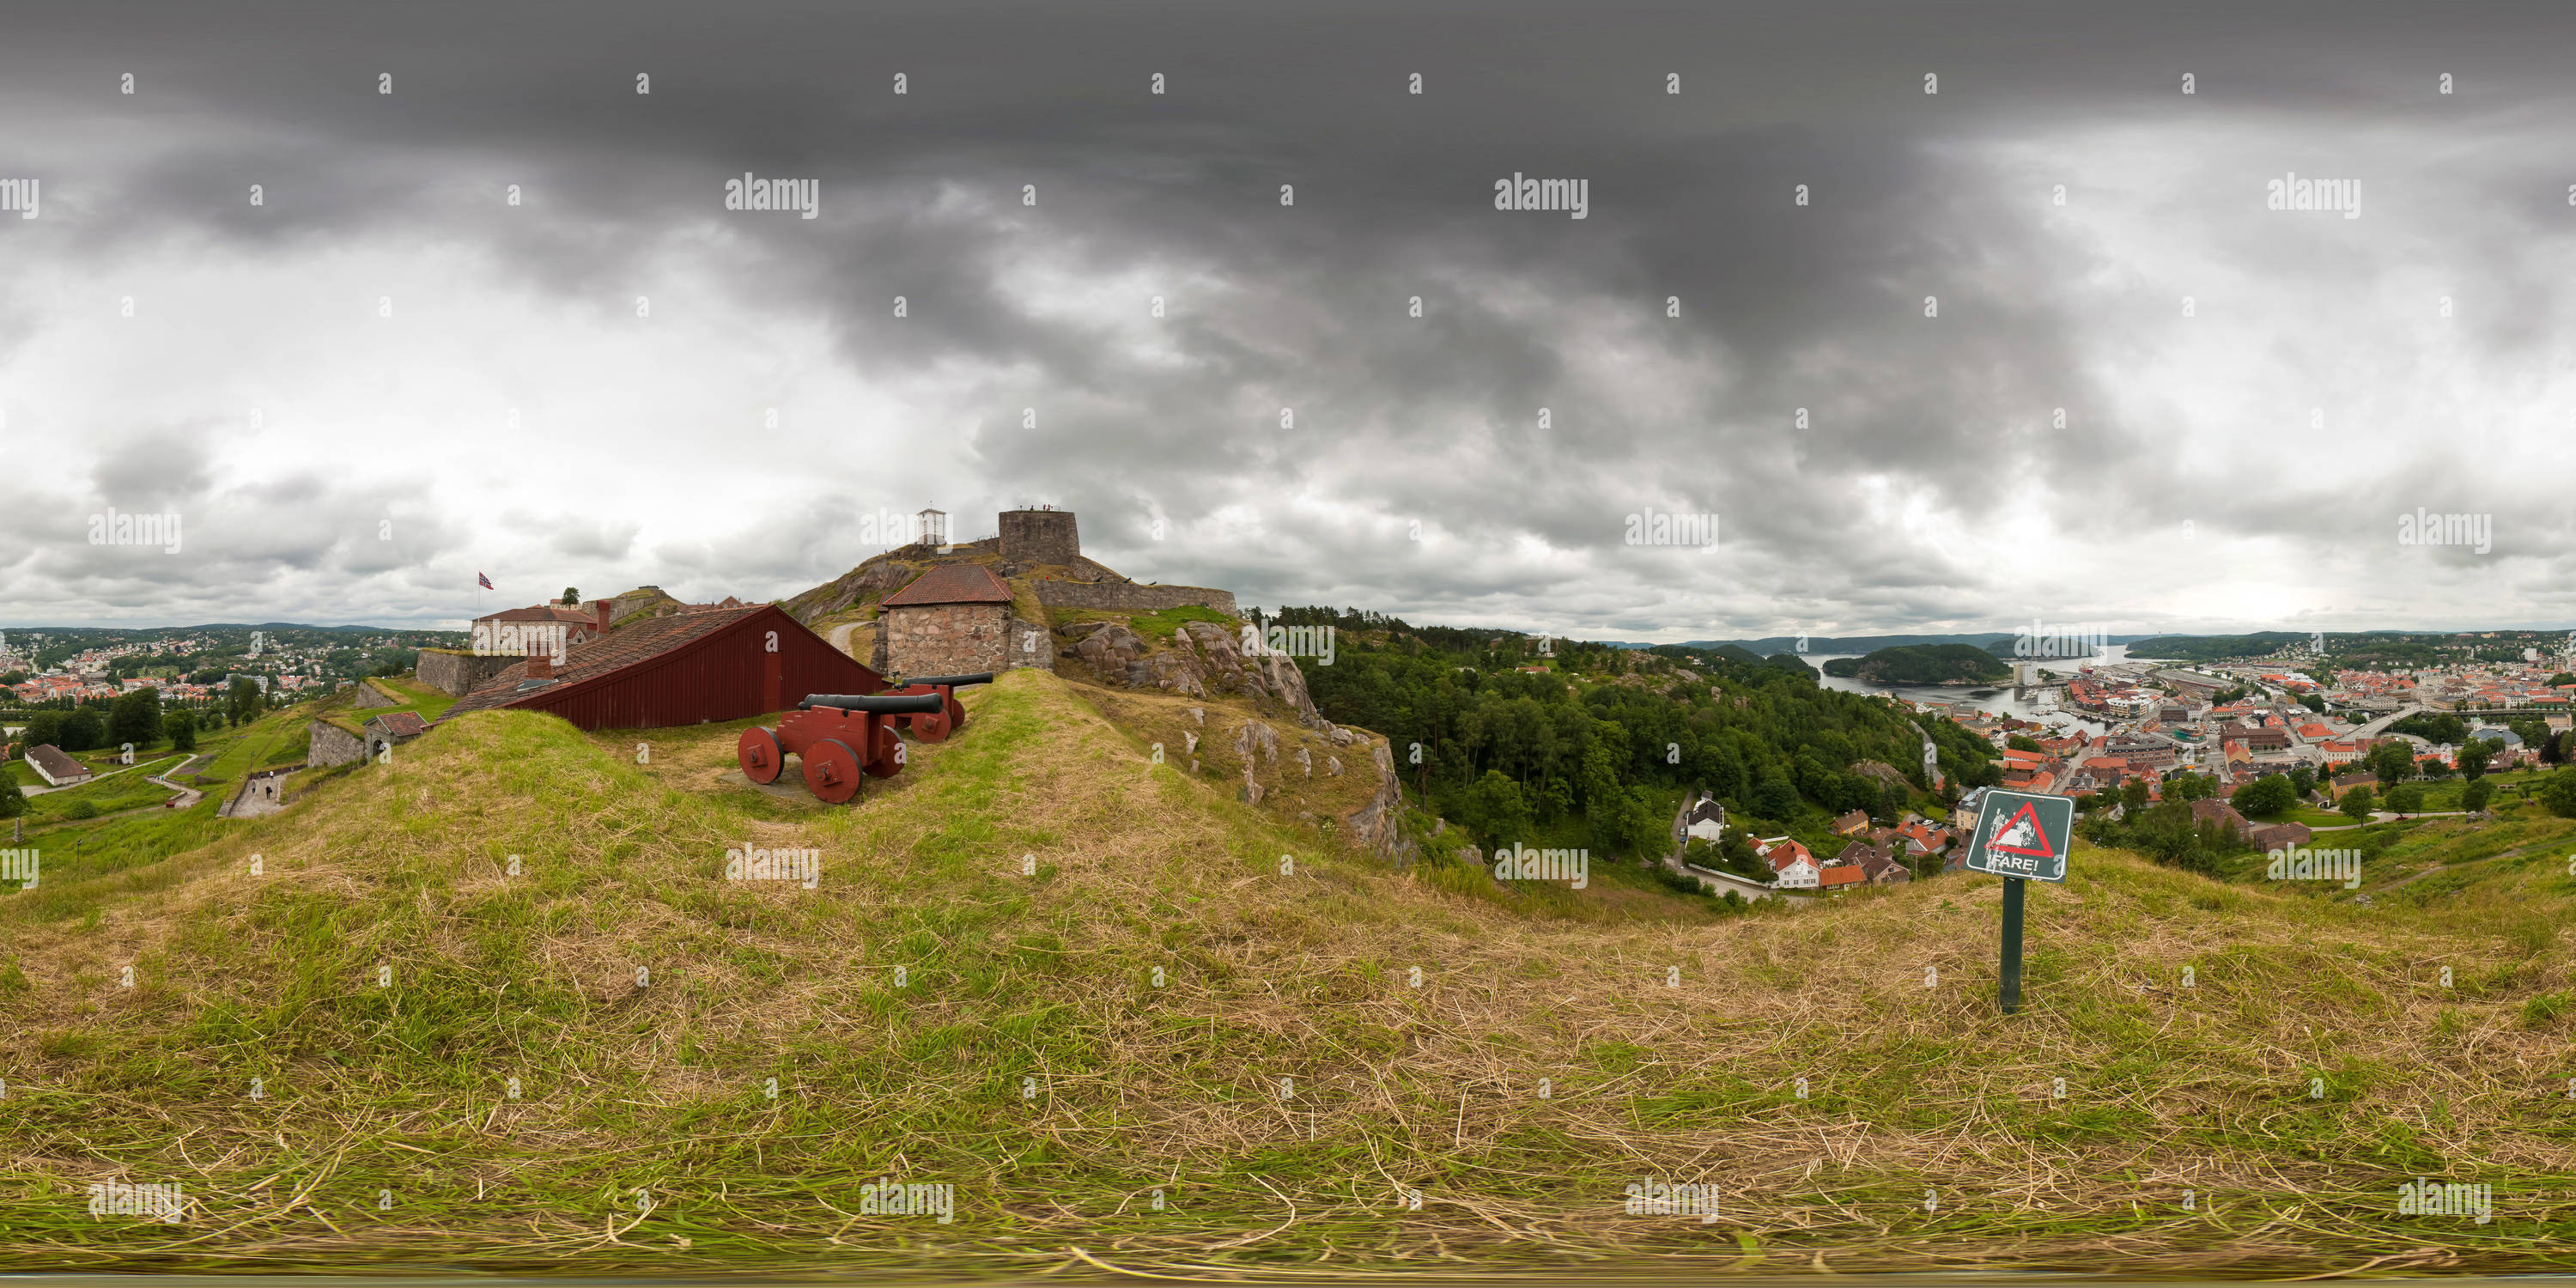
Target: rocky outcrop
(1203,661)
(881,575)
(1372,827)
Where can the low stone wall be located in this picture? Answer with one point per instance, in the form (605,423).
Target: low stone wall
(329,744)
(1130,597)
(363,694)
(457,674)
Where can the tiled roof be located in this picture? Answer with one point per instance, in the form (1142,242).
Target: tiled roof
(55,764)
(951,584)
(402,724)
(623,647)
(1841,875)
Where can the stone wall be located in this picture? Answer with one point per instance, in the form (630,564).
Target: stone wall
(329,744)
(457,674)
(1040,537)
(1130,597)
(363,694)
(946,639)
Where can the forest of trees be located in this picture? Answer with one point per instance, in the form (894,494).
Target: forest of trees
(1499,748)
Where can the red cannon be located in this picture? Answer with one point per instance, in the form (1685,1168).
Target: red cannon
(842,739)
(952,713)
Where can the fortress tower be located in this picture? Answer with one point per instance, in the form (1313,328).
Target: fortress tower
(1040,537)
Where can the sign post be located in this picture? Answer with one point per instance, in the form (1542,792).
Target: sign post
(2022,838)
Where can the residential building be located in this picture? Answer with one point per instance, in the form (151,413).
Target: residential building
(57,769)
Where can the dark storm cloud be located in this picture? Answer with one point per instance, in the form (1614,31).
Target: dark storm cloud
(1782,306)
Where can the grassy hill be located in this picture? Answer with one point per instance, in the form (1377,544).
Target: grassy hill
(1274,1098)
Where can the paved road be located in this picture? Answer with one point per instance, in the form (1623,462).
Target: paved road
(2372,729)
(2386,816)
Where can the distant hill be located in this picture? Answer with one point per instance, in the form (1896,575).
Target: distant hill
(2211,648)
(1922,664)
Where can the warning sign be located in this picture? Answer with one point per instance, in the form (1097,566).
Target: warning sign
(2021,835)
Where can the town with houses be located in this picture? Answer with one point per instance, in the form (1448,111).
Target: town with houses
(2233,722)
(110,670)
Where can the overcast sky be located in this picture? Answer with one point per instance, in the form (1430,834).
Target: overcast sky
(384,378)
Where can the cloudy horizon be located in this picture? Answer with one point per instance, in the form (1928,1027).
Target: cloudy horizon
(378,300)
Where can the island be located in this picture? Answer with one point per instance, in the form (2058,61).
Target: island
(1923,664)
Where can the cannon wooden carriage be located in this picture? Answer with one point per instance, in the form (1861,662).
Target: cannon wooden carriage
(843,740)
(951,716)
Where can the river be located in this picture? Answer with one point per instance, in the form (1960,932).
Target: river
(1997,699)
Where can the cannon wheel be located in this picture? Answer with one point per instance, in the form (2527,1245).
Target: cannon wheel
(932,726)
(759,753)
(956,712)
(890,756)
(832,771)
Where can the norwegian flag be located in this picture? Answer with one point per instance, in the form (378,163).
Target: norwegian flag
(483,581)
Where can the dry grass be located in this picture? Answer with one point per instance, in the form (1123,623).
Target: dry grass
(1030,1058)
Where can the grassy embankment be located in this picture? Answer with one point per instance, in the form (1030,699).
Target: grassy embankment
(933,1014)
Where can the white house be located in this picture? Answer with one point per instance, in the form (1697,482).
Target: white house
(1706,820)
(56,768)
(1792,867)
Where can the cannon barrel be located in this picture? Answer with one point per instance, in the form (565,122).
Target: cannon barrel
(918,703)
(951,681)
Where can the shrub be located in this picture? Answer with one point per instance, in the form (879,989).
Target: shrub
(2558,793)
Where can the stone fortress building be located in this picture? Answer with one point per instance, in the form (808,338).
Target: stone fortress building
(958,617)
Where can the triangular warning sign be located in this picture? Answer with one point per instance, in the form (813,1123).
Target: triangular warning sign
(2020,834)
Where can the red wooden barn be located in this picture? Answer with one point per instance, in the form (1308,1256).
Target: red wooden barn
(688,668)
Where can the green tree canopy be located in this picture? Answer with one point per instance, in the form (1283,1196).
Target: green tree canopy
(2558,793)
(136,718)
(2266,797)
(82,730)
(2478,792)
